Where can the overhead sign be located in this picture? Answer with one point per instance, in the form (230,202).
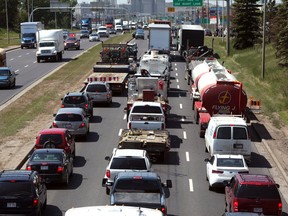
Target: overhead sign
(187,3)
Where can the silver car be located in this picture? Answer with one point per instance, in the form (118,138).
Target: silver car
(94,37)
(99,92)
(73,119)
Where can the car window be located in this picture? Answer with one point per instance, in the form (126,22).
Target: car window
(229,162)
(71,39)
(10,188)
(258,191)
(43,156)
(55,138)
(74,99)
(239,133)
(4,72)
(224,133)
(68,117)
(138,185)
(128,163)
(96,88)
(147,109)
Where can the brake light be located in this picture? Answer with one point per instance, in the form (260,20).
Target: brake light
(62,106)
(54,125)
(163,209)
(86,105)
(35,202)
(60,169)
(82,125)
(235,205)
(217,171)
(108,95)
(28,167)
(108,174)
(214,134)
(280,207)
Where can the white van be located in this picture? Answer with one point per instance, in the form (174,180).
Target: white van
(113,211)
(228,135)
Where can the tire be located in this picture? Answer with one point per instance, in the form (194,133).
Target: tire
(66,180)
(74,153)
(38,60)
(45,204)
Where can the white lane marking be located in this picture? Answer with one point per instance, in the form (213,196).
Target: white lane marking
(176,74)
(26,65)
(16,71)
(20,56)
(176,69)
(178,86)
(120,132)
(27,53)
(187,157)
(34,62)
(177,80)
(179,95)
(184,135)
(125,116)
(175,64)
(191,185)
(12,59)
(180,106)
(182,119)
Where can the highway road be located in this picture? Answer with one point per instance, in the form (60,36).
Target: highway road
(184,164)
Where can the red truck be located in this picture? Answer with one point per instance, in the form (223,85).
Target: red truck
(214,90)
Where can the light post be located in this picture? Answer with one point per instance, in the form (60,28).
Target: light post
(228,29)
(263,39)
(7,23)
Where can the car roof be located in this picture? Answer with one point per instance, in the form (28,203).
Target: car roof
(74,110)
(228,156)
(129,152)
(144,103)
(253,179)
(144,175)
(16,174)
(53,131)
(48,150)
(230,120)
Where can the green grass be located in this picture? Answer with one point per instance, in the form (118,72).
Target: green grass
(246,65)
(43,99)
(11,39)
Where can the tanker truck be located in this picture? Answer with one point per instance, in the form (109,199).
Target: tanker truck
(214,90)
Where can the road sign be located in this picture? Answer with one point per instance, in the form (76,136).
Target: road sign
(187,3)
(171,9)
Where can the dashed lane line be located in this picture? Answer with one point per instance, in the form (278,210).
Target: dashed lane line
(120,132)
(180,106)
(125,116)
(187,157)
(184,135)
(191,185)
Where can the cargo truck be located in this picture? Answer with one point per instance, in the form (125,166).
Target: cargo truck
(160,38)
(29,30)
(214,90)
(50,45)
(189,36)
(86,24)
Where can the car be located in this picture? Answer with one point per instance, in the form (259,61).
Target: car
(99,92)
(207,32)
(140,34)
(84,34)
(53,165)
(74,119)
(112,31)
(242,214)
(220,168)
(118,28)
(253,193)
(65,34)
(103,31)
(22,192)
(7,77)
(56,138)
(78,99)
(72,43)
(125,160)
(94,37)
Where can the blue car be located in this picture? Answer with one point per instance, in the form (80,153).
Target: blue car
(7,77)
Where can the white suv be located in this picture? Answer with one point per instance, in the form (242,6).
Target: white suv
(125,160)
(103,31)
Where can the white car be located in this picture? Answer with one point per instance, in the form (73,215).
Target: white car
(220,168)
(94,37)
(119,28)
(103,31)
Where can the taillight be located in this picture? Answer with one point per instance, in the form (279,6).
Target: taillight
(163,209)
(280,207)
(82,125)
(60,169)
(28,167)
(235,205)
(217,171)
(108,95)
(62,106)
(86,105)
(214,134)
(54,125)
(35,202)
(108,174)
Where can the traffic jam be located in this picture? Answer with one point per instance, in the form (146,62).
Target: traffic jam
(149,81)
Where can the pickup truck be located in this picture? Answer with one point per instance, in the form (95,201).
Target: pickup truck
(155,142)
(142,189)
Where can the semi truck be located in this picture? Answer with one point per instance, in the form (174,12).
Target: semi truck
(50,45)
(214,90)
(86,24)
(29,30)
(160,38)
(189,36)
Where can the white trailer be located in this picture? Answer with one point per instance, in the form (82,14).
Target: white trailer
(50,45)
(160,38)
(29,31)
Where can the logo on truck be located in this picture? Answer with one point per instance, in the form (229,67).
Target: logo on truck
(224,97)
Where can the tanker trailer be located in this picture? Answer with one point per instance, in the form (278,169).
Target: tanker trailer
(219,93)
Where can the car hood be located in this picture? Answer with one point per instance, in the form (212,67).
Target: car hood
(4,77)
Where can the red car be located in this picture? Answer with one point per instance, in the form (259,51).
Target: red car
(56,138)
(253,193)
(72,43)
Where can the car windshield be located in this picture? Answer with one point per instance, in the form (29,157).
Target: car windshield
(229,162)
(84,32)
(47,156)
(55,138)
(4,72)
(128,163)
(69,117)
(147,109)
(74,100)
(96,88)
(47,44)
(102,29)
(138,185)
(140,31)
(258,191)
(71,39)
(15,188)
(28,35)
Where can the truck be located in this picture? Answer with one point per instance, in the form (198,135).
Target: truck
(3,62)
(86,24)
(155,142)
(118,22)
(50,45)
(160,38)
(141,189)
(109,22)
(29,30)
(189,36)
(214,90)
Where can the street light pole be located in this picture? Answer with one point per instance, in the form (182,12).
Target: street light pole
(7,23)
(228,29)
(263,40)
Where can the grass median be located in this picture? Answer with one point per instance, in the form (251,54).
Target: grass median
(44,98)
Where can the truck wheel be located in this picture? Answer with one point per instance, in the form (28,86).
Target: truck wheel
(21,47)
(38,60)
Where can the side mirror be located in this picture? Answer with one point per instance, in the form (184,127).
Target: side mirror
(54,114)
(277,185)
(61,99)
(168,183)
(107,158)
(206,160)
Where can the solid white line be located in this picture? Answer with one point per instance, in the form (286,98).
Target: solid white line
(187,157)
(184,135)
(120,132)
(178,86)
(26,65)
(125,116)
(191,185)
(176,74)
(180,106)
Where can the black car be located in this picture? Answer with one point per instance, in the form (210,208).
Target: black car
(22,192)
(53,165)
(72,43)
(112,31)
(139,34)
(78,99)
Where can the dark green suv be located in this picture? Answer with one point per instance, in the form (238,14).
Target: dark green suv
(78,99)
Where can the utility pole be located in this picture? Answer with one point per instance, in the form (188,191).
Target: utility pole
(7,23)
(228,29)
(263,40)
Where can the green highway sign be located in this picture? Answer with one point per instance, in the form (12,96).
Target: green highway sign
(187,3)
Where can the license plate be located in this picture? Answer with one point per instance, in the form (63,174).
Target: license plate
(68,125)
(238,146)
(11,205)
(258,210)
(44,168)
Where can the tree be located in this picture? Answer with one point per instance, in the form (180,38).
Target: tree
(246,23)
(12,13)
(271,11)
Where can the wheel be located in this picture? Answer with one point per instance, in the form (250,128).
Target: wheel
(162,157)
(14,83)
(74,153)
(38,59)
(66,180)
(210,188)
(49,144)
(193,103)
(21,47)
(78,48)
(45,204)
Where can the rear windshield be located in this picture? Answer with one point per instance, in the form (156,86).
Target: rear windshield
(47,157)
(96,88)
(229,162)
(224,133)
(138,185)
(55,138)
(68,117)
(147,109)
(17,188)
(258,191)
(128,163)
(74,99)
(240,133)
